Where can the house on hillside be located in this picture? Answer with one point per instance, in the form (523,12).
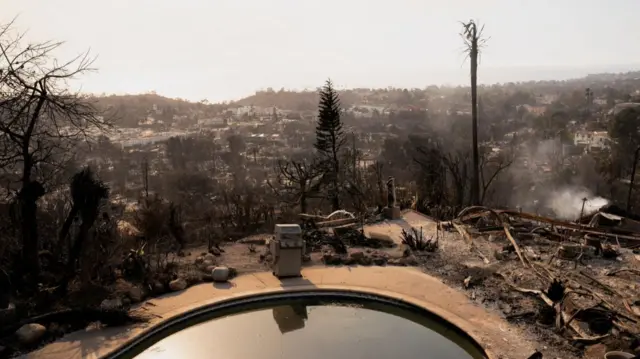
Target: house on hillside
(213,122)
(592,139)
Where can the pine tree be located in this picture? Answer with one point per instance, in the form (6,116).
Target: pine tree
(330,139)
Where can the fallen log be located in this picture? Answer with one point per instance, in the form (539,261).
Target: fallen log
(561,224)
(505,227)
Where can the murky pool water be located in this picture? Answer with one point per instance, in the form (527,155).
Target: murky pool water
(314,328)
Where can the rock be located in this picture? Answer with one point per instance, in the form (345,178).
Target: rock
(409,261)
(506,308)
(365,261)
(210,257)
(479,271)
(395,262)
(215,251)
(136,294)
(178,284)
(122,286)
(379,261)
(210,268)
(111,303)
(29,334)
(356,255)
(331,259)
(157,287)
(199,260)
(220,274)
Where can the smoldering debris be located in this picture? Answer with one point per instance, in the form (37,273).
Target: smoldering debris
(571,203)
(584,275)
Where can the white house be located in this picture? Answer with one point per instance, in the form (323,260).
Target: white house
(592,139)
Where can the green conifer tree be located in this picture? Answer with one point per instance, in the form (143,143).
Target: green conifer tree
(330,139)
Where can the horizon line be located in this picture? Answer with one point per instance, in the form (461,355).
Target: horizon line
(450,84)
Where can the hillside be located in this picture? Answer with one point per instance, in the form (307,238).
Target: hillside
(132,110)
(129,110)
(307,100)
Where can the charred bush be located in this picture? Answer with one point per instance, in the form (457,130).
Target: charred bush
(418,242)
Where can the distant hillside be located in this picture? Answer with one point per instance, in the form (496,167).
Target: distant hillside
(129,110)
(308,100)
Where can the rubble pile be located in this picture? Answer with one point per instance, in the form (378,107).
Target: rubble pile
(580,280)
(343,242)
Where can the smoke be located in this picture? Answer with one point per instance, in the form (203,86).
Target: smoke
(546,183)
(567,203)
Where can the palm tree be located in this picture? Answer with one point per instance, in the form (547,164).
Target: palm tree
(474,41)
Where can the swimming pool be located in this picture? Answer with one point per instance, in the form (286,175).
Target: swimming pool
(306,325)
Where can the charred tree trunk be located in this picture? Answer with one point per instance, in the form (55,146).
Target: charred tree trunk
(64,231)
(27,199)
(475,185)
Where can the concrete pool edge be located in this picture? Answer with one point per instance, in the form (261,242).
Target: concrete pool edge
(398,283)
(193,311)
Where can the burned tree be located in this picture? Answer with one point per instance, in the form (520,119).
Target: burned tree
(472,36)
(491,166)
(300,179)
(330,139)
(40,123)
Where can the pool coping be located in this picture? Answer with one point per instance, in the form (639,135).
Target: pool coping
(399,283)
(447,316)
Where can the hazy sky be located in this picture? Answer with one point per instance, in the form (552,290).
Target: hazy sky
(226,49)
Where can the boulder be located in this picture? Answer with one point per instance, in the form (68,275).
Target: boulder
(136,294)
(210,257)
(114,303)
(332,259)
(220,274)
(157,287)
(122,286)
(215,251)
(356,255)
(178,284)
(29,334)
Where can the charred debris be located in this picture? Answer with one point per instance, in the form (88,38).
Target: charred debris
(581,278)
